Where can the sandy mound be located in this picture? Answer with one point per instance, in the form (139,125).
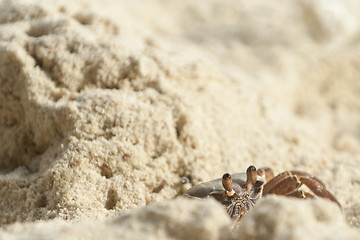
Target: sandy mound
(189,219)
(110,106)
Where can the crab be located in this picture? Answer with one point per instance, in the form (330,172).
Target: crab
(240,192)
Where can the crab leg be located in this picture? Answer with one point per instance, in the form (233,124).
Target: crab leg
(266,173)
(287,183)
(315,185)
(274,182)
(300,194)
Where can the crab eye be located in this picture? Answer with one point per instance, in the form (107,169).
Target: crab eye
(226,176)
(251,168)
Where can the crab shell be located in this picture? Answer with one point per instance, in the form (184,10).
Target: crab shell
(206,189)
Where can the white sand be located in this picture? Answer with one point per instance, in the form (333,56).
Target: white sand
(108,106)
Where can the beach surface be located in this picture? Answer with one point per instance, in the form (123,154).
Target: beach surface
(110,110)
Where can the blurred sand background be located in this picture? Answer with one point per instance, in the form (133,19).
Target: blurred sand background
(109,106)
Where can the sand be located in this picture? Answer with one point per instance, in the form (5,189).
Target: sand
(110,110)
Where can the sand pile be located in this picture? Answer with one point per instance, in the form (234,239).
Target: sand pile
(201,220)
(110,106)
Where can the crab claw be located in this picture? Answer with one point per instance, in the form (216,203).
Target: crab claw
(227,184)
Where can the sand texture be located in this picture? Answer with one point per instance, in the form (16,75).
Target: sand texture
(110,110)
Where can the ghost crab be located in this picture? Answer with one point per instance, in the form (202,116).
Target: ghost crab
(239,192)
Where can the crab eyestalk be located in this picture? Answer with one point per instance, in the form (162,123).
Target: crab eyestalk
(251,177)
(227,184)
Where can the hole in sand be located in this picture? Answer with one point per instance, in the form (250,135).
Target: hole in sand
(38,62)
(39,28)
(85,18)
(180,123)
(111,199)
(41,202)
(106,171)
(158,188)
